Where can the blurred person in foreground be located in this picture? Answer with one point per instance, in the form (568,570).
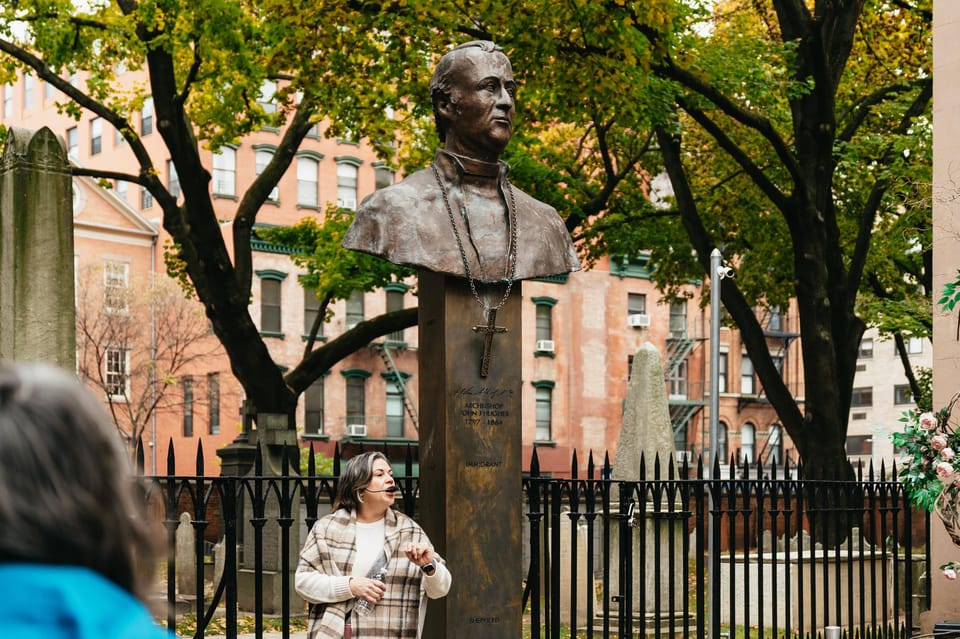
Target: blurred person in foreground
(345,551)
(76,554)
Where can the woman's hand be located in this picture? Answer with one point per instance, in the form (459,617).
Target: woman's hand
(368,589)
(420,555)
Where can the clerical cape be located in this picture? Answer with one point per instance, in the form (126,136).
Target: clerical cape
(409,223)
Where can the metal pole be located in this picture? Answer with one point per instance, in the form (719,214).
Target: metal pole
(712,581)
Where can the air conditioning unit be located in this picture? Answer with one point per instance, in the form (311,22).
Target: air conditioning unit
(357,430)
(638,320)
(545,345)
(684,456)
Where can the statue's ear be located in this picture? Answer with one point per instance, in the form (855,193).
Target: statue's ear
(445,107)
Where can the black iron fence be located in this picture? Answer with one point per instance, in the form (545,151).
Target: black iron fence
(755,552)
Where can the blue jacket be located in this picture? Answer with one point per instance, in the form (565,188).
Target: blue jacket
(40,601)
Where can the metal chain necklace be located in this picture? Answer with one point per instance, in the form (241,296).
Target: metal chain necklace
(489,329)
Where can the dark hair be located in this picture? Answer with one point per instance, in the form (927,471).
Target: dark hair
(66,491)
(354,477)
(441,82)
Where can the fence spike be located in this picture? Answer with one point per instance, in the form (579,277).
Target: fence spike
(200,457)
(336,459)
(534,464)
(312,462)
(171,459)
(574,465)
(139,454)
(258,461)
(590,466)
(607,470)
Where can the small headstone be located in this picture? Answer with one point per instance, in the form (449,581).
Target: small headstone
(186,557)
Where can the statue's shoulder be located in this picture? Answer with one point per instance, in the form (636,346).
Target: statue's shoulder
(399,197)
(527,202)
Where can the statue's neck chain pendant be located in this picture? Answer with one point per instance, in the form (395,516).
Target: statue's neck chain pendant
(489,327)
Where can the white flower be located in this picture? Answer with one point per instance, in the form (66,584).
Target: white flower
(947,453)
(950,574)
(928,421)
(938,441)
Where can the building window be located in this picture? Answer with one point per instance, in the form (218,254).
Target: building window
(678,318)
(859,445)
(383,177)
(8,100)
(311,306)
(862,396)
(722,452)
(146,198)
(775,444)
(722,373)
(544,411)
(267,97)
(120,188)
(678,381)
(356,381)
(544,323)
(270,302)
(48,91)
(636,304)
(262,158)
(116,373)
(146,117)
(395,295)
(96,135)
(213,398)
(173,180)
(188,406)
(225,171)
(313,408)
(866,348)
(28,89)
(915,345)
(115,282)
(774,320)
(347,185)
(118,139)
(308,187)
(73,143)
(747,435)
(747,382)
(902,394)
(354,309)
(394,409)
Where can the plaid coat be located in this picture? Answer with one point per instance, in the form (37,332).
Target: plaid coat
(330,549)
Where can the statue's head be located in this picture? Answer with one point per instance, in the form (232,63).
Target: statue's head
(472,91)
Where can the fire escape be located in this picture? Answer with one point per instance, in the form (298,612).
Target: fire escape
(682,409)
(384,350)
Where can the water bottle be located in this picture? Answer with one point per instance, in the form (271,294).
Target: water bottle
(364,607)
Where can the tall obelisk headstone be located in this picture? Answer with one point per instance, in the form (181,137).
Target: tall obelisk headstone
(470,465)
(37,315)
(647,432)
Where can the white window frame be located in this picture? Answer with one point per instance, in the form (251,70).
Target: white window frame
(116,284)
(225,171)
(347,178)
(308,181)
(112,374)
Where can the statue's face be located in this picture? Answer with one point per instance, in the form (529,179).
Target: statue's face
(481,111)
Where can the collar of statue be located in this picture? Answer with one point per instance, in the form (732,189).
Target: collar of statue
(471,166)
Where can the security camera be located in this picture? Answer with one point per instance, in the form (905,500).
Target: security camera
(725,272)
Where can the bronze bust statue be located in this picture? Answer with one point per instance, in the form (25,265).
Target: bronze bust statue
(461,216)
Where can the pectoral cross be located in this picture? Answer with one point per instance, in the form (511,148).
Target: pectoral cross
(488,330)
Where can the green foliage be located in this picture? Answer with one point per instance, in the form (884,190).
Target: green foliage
(332,270)
(950,295)
(323,465)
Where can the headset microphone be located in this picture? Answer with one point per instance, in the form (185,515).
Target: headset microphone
(391,489)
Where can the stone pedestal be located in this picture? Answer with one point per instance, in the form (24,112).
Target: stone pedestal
(470,443)
(276,440)
(37,316)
